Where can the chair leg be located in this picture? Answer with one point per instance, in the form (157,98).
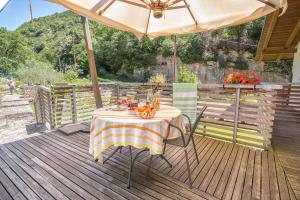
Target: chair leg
(165,144)
(149,167)
(188,168)
(193,141)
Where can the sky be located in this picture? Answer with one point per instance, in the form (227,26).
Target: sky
(17,12)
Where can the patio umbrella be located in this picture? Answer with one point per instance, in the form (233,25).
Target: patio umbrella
(165,17)
(168,17)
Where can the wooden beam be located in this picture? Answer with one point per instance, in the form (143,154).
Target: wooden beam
(293,34)
(99,5)
(91,61)
(270,22)
(279,50)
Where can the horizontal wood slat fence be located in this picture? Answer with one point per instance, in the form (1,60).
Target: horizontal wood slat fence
(238,113)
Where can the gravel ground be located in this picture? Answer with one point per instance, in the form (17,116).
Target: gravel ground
(17,120)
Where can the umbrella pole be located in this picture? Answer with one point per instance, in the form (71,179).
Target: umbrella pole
(174,59)
(91,61)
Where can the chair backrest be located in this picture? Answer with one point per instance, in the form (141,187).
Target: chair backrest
(185,98)
(196,123)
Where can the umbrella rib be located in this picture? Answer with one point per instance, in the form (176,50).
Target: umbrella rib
(177,7)
(168,4)
(104,9)
(133,3)
(190,11)
(145,2)
(148,20)
(99,5)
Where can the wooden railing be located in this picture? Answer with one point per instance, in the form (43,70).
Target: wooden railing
(238,113)
(288,103)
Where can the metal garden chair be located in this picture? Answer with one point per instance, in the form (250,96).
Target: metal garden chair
(185,139)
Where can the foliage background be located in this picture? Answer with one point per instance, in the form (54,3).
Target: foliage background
(56,42)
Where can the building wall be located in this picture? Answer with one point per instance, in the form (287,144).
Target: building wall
(296,65)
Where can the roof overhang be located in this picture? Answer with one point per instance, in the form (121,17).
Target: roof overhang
(280,35)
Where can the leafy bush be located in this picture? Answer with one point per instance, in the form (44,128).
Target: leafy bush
(38,73)
(158,78)
(192,48)
(71,76)
(241,63)
(186,76)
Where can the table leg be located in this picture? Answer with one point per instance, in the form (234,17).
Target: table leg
(132,164)
(115,151)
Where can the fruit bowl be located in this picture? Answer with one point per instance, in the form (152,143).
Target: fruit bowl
(145,112)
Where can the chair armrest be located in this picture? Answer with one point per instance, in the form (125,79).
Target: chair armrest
(181,133)
(189,120)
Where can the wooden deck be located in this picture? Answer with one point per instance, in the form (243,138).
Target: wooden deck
(286,143)
(55,166)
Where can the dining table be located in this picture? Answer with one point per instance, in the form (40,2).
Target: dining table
(122,127)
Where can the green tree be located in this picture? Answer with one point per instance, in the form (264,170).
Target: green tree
(191,48)
(38,73)
(14,51)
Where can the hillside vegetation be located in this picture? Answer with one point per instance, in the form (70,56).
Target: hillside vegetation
(57,41)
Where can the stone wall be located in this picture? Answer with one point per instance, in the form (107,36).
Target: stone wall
(208,72)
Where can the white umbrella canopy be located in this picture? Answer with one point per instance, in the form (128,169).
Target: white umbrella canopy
(167,17)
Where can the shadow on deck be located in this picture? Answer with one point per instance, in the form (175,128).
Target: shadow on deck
(55,166)
(286,144)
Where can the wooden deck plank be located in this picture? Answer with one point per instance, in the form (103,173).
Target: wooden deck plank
(286,144)
(182,167)
(234,174)
(22,186)
(176,161)
(265,182)
(274,190)
(282,181)
(226,174)
(81,187)
(217,153)
(94,167)
(203,157)
(10,187)
(84,155)
(26,157)
(182,184)
(4,194)
(115,192)
(57,166)
(216,178)
(138,180)
(237,193)
(247,193)
(205,183)
(37,177)
(256,189)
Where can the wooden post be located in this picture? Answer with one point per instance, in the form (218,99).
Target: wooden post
(74,106)
(236,113)
(49,98)
(174,60)
(91,60)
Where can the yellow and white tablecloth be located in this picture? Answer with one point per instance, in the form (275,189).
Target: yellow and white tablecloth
(123,128)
